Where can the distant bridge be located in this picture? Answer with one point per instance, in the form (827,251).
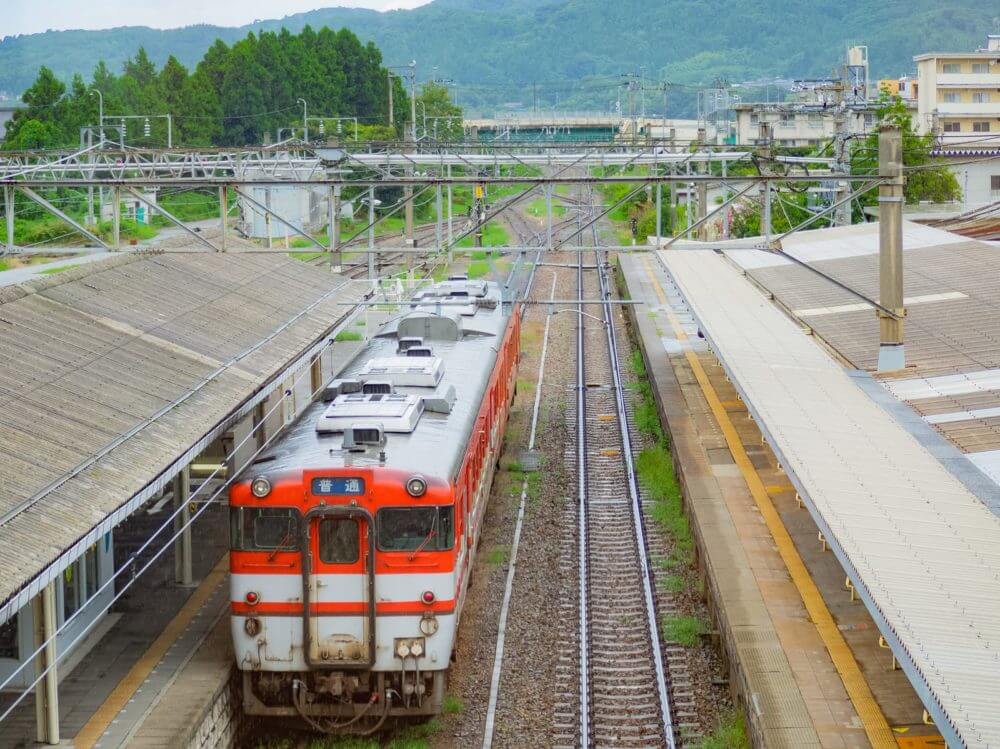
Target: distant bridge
(546,126)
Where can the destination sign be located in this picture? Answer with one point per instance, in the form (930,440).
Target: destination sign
(338,485)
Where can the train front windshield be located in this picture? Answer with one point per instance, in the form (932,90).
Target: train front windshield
(413,528)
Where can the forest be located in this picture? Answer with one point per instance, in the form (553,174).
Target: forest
(235,95)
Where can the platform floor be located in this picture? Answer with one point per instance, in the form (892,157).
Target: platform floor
(791,681)
(141,616)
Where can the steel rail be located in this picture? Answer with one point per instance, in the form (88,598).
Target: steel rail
(645,570)
(581,466)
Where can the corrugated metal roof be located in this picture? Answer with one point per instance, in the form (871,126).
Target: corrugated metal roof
(921,549)
(159,347)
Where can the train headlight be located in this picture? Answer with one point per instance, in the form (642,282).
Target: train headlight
(260,487)
(416,486)
(402,650)
(416,649)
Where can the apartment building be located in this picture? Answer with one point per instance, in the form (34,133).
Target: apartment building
(958,95)
(799,124)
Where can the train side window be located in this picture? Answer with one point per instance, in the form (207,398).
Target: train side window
(339,540)
(412,528)
(264,528)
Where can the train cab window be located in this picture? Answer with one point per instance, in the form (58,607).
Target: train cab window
(413,528)
(338,540)
(264,528)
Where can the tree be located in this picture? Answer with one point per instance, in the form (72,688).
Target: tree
(931,183)
(443,118)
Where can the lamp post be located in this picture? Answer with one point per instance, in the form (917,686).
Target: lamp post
(305,119)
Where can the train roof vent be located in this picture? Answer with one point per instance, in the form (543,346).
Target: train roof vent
(408,343)
(458,277)
(419,351)
(359,437)
(462,287)
(396,412)
(371,387)
(441,403)
(430,326)
(404,371)
(340,387)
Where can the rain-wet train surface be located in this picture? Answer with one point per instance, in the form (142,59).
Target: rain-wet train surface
(353,536)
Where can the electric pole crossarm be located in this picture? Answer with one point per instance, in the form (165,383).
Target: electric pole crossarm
(171,218)
(68,219)
(286,222)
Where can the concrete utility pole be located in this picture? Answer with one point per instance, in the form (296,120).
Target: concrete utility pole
(371,233)
(223,214)
(305,119)
(764,140)
(8,199)
(842,163)
(408,189)
(702,190)
(891,355)
(333,229)
(116,213)
(391,118)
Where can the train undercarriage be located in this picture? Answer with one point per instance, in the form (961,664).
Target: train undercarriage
(350,702)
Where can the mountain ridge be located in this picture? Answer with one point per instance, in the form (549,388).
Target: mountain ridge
(574,50)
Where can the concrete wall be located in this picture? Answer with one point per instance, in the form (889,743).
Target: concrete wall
(975,180)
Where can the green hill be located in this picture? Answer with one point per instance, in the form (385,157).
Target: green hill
(566,52)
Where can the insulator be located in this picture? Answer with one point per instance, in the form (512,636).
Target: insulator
(145,127)
(322,126)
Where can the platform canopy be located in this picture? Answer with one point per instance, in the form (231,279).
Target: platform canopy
(114,374)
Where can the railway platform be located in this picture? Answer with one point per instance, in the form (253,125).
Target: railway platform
(804,654)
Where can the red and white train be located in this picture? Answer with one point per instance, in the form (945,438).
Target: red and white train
(353,537)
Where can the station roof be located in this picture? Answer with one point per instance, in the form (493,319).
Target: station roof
(952,326)
(114,374)
(920,547)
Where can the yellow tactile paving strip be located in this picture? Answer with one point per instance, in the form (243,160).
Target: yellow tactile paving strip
(876,727)
(91,733)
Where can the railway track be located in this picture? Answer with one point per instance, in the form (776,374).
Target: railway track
(611,674)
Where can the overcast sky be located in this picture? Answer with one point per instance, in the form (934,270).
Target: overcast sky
(32,16)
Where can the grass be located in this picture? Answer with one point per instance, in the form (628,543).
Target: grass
(348,335)
(537,208)
(4,265)
(50,271)
(452,705)
(494,235)
(684,630)
(730,733)
(496,557)
(477,270)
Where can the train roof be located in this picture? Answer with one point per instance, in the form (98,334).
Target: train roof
(425,400)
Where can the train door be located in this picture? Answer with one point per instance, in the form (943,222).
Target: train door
(339,570)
